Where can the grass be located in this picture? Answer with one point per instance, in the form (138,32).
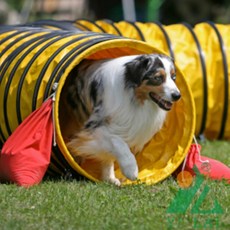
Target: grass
(86,205)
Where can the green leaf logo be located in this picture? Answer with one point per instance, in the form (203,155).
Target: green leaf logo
(184,198)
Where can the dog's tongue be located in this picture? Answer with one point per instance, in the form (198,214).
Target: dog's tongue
(166,105)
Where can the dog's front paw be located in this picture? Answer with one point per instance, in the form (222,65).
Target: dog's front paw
(114,181)
(130,170)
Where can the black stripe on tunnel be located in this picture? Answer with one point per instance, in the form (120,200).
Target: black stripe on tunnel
(204,74)
(7,29)
(9,37)
(15,41)
(168,41)
(137,29)
(225,69)
(23,76)
(7,87)
(11,56)
(110,22)
(90,22)
(81,27)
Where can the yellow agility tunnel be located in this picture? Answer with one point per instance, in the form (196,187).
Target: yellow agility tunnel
(32,60)
(202,54)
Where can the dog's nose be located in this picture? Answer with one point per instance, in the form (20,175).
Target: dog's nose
(176,95)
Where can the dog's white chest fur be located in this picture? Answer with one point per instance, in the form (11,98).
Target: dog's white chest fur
(139,126)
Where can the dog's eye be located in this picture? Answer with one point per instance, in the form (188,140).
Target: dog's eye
(156,80)
(174,77)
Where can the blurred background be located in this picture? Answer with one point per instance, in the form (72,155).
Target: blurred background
(165,11)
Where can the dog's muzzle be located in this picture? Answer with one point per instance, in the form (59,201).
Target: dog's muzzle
(162,103)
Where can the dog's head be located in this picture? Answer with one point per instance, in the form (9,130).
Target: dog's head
(153,78)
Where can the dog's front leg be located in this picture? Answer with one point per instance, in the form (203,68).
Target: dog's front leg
(108,174)
(125,158)
(106,148)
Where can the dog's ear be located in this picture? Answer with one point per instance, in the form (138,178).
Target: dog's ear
(136,70)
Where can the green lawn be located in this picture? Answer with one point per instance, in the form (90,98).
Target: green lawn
(87,205)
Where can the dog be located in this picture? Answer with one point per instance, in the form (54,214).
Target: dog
(113,107)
